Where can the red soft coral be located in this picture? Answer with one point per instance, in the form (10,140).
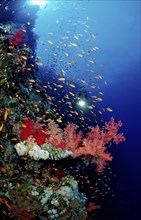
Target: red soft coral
(18,37)
(34,129)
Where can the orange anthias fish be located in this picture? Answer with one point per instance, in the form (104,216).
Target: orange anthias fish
(38,181)
(3,169)
(8,206)
(1,127)
(54,188)
(55,180)
(1,200)
(5,115)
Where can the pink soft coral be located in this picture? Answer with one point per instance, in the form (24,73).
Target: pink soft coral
(111,129)
(95,141)
(93,145)
(66,139)
(55,136)
(72,138)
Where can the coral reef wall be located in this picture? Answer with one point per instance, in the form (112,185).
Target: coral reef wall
(17,12)
(21,92)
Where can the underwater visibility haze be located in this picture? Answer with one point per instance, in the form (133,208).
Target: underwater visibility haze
(70,91)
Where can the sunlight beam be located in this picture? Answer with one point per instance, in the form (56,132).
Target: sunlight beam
(41,3)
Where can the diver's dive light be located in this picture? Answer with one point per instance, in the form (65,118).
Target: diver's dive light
(81,98)
(81,103)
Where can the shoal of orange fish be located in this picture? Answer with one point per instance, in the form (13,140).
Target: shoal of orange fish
(70,63)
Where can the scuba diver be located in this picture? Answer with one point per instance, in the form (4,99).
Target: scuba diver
(80,99)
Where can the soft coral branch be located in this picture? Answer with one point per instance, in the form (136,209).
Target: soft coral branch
(72,138)
(96,140)
(111,128)
(55,135)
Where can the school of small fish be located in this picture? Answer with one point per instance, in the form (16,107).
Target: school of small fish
(73,54)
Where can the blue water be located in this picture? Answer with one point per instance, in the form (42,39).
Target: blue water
(116,25)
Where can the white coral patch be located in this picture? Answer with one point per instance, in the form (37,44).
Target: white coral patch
(68,153)
(21,148)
